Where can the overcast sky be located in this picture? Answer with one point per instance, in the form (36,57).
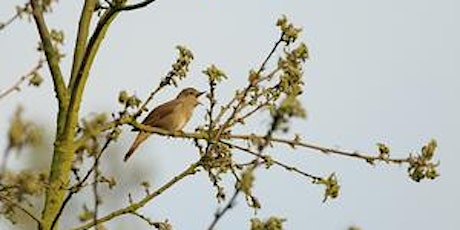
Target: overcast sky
(380,71)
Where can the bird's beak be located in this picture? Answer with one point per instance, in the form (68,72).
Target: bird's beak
(200,93)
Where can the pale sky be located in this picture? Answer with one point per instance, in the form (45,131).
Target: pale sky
(380,71)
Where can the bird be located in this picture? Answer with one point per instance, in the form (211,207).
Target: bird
(171,116)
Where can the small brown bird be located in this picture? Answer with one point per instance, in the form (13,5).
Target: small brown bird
(171,116)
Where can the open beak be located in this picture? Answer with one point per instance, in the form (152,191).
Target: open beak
(198,95)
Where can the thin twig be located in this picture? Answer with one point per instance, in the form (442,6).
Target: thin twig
(353,154)
(271,160)
(264,63)
(157,225)
(220,213)
(4,161)
(13,18)
(162,84)
(136,205)
(212,104)
(22,209)
(135,6)
(22,79)
(169,78)
(256,164)
(9,21)
(95,190)
(240,105)
(250,113)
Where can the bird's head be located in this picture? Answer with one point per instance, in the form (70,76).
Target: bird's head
(189,93)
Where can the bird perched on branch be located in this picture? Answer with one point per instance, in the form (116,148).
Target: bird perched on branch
(171,116)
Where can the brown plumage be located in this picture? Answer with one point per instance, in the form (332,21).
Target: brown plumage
(171,116)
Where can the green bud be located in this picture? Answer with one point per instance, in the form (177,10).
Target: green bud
(273,223)
(123,97)
(214,73)
(85,214)
(429,149)
(332,187)
(36,79)
(431,173)
(133,102)
(57,36)
(384,151)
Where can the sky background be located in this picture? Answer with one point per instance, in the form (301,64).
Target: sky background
(380,71)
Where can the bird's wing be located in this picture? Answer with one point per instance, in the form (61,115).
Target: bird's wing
(161,111)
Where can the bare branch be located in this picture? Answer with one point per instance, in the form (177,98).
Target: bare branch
(137,205)
(220,213)
(241,102)
(19,12)
(178,71)
(136,6)
(22,79)
(158,225)
(328,150)
(32,216)
(95,189)
(270,160)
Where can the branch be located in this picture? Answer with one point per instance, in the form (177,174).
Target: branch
(82,37)
(226,208)
(178,71)
(269,160)
(289,142)
(22,79)
(64,144)
(3,25)
(137,205)
(162,84)
(270,54)
(157,225)
(240,105)
(292,143)
(83,71)
(52,55)
(328,150)
(245,184)
(32,216)
(79,185)
(205,136)
(95,189)
(135,6)
(210,111)
(18,14)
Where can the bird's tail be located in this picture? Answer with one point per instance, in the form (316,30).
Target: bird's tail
(139,139)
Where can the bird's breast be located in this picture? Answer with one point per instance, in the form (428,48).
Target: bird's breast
(183,113)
